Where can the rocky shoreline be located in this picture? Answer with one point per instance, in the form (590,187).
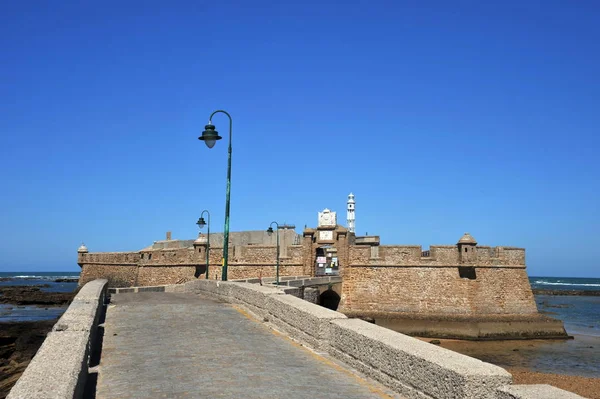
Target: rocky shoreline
(19,341)
(18,344)
(538,291)
(33,295)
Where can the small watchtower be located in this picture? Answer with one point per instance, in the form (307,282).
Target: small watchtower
(81,251)
(467,251)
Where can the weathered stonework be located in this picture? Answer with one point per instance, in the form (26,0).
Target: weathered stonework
(172,265)
(453,284)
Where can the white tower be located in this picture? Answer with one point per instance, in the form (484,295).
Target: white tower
(350,214)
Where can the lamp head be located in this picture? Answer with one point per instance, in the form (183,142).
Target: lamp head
(210,135)
(270,231)
(201,223)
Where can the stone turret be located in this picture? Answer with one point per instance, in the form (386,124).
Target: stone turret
(467,248)
(201,244)
(81,251)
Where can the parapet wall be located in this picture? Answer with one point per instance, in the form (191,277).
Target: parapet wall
(177,265)
(438,255)
(59,370)
(404,279)
(411,367)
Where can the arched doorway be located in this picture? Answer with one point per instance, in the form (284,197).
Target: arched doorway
(329,299)
(200,270)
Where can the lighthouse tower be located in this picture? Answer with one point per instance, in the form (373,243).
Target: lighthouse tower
(350,214)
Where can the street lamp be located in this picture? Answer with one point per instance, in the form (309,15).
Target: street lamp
(210,137)
(201,223)
(270,231)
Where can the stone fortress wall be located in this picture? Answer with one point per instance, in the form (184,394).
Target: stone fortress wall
(173,261)
(490,280)
(400,285)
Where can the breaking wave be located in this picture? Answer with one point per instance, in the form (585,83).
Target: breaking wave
(540,282)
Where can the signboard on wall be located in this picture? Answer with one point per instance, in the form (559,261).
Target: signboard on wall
(325,235)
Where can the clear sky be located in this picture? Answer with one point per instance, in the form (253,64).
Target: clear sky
(441,117)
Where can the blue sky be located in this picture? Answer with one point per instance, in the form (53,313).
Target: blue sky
(441,117)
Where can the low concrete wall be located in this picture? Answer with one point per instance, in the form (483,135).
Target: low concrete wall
(411,367)
(537,391)
(59,369)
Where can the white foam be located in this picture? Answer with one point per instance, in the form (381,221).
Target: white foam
(571,284)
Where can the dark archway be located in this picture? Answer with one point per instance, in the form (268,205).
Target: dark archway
(200,270)
(329,299)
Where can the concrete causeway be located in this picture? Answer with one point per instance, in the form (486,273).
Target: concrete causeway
(182,345)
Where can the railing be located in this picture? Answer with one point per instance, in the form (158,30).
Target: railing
(425,254)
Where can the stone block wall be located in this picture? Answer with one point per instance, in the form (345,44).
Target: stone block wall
(117,275)
(436,290)
(163,275)
(176,265)
(439,255)
(399,279)
(240,272)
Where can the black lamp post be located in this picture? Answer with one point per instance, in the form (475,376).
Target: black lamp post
(201,223)
(270,231)
(210,137)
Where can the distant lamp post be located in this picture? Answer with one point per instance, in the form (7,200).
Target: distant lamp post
(201,223)
(270,232)
(210,137)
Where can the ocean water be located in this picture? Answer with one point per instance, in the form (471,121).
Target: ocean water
(13,313)
(580,314)
(565,283)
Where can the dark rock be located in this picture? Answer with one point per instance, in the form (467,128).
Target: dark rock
(435,342)
(539,291)
(67,280)
(18,344)
(33,295)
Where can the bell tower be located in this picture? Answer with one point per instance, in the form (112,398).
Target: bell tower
(350,213)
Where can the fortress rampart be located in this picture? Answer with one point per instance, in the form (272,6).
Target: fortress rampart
(174,265)
(437,255)
(492,280)
(465,290)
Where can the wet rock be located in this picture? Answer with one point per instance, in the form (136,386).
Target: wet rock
(566,292)
(435,342)
(19,341)
(33,295)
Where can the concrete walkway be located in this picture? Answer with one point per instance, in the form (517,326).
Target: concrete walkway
(167,345)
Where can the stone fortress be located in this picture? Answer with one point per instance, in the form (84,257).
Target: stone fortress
(464,290)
